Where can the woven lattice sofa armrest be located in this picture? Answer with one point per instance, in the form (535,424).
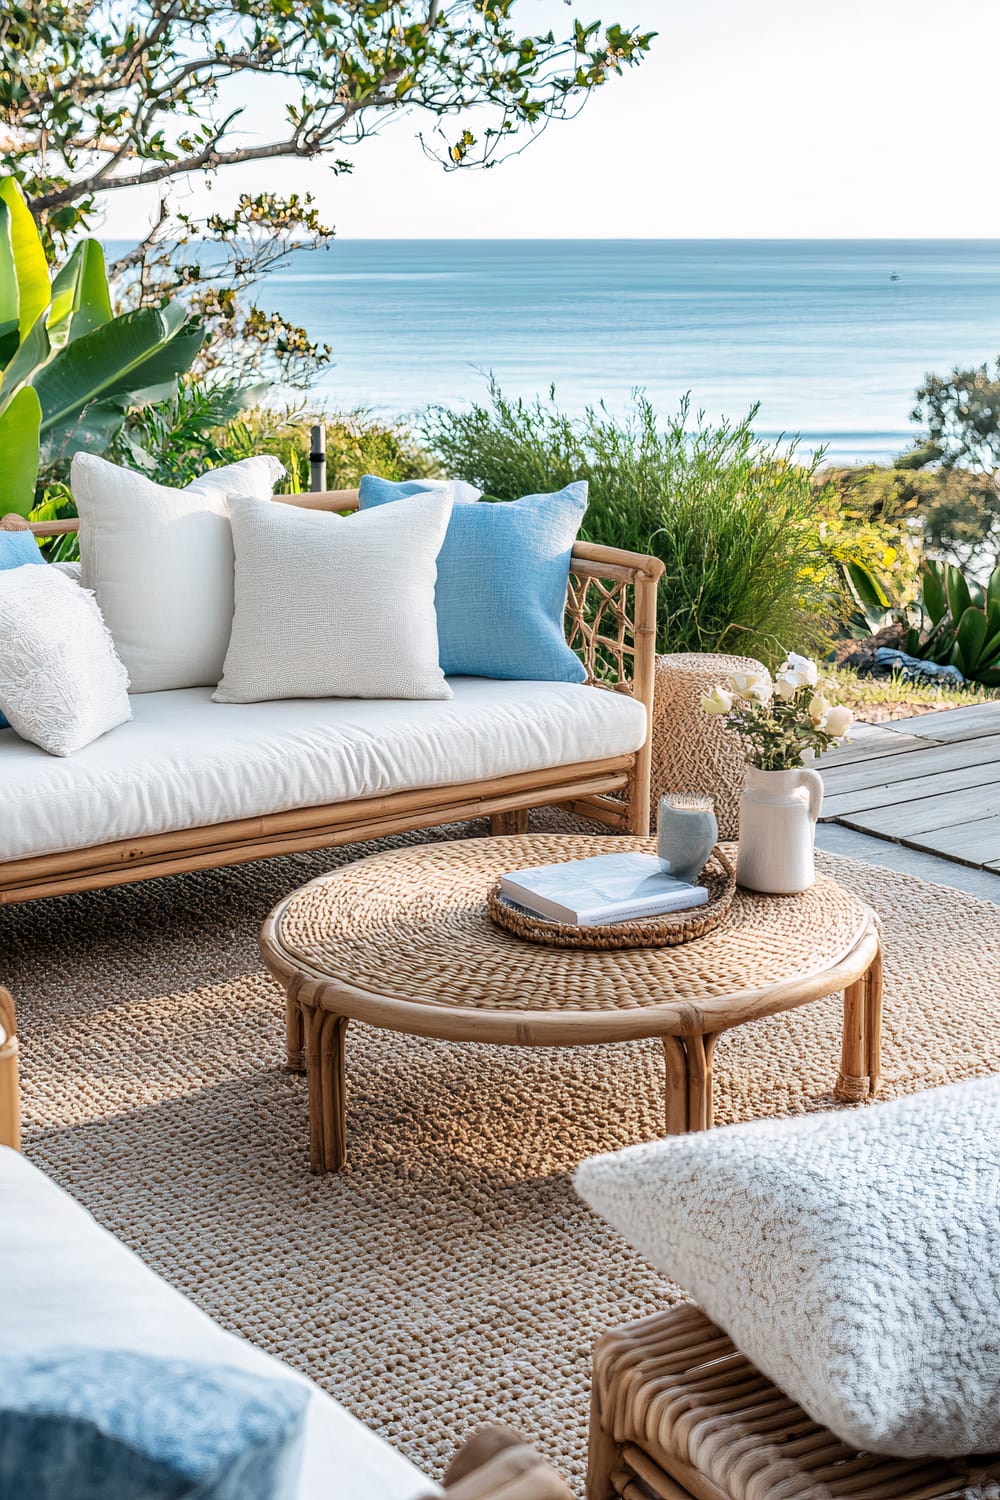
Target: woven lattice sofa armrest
(497,1464)
(10,1102)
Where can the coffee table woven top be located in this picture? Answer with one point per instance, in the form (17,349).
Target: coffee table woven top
(407,932)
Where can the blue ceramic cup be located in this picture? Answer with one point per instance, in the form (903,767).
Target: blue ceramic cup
(686,833)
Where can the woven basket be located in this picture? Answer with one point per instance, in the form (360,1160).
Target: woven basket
(668,930)
(692,751)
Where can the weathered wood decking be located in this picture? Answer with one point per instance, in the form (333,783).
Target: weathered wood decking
(930,783)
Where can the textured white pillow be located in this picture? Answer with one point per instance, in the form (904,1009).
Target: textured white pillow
(161,564)
(61,682)
(332,606)
(853,1257)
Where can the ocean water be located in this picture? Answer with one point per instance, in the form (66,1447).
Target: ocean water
(831,337)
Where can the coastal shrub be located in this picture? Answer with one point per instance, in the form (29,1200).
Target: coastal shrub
(205,425)
(733,519)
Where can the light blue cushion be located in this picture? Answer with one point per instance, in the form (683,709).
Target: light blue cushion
(16,549)
(501,584)
(117,1425)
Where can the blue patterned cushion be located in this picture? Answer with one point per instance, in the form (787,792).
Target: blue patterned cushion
(501,585)
(100,1424)
(16,549)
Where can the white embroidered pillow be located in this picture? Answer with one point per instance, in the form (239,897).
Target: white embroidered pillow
(161,564)
(61,682)
(332,606)
(851,1256)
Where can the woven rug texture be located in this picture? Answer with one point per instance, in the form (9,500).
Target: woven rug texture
(450,1276)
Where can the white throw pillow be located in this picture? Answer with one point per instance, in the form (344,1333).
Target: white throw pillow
(161,564)
(332,606)
(61,682)
(853,1257)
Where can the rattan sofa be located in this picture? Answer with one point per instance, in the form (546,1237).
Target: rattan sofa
(610,622)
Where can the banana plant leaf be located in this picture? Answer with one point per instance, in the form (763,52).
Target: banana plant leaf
(10,298)
(92,431)
(19,424)
(136,350)
(34,352)
(81,301)
(31,268)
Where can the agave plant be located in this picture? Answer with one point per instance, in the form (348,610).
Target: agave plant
(961,624)
(69,368)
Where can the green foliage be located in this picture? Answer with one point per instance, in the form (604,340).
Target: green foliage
(960,623)
(207,424)
(106,96)
(69,369)
(875,699)
(870,530)
(961,415)
(733,520)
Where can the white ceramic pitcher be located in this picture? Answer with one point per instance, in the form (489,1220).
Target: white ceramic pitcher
(778,813)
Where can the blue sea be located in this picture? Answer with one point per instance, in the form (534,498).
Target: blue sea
(831,337)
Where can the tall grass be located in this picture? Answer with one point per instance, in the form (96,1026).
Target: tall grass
(733,519)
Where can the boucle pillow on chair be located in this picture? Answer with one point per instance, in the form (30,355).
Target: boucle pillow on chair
(332,606)
(853,1257)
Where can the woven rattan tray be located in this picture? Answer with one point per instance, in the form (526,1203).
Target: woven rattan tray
(665,931)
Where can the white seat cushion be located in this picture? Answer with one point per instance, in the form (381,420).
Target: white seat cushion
(853,1257)
(67,1281)
(186,762)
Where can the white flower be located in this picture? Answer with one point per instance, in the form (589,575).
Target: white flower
(786,688)
(818,709)
(718,701)
(800,670)
(752,687)
(838,721)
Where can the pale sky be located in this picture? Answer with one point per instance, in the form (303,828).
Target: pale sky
(784,118)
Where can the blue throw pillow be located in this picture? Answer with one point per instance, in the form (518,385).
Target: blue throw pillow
(107,1424)
(501,584)
(16,549)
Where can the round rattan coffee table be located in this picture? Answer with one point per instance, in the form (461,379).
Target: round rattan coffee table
(402,941)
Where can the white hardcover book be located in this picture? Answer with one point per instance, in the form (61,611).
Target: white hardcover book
(606,888)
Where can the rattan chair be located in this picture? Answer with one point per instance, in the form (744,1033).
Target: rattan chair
(678,1413)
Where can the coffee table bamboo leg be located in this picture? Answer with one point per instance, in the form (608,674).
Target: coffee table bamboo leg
(700,1104)
(873,1025)
(325,1035)
(689,1082)
(675,1057)
(852,1080)
(294,1033)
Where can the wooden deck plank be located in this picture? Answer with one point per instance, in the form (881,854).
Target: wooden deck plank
(923,761)
(956,723)
(971,805)
(872,747)
(930,784)
(840,805)
(971,843)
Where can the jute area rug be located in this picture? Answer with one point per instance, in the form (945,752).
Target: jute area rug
(450,1275)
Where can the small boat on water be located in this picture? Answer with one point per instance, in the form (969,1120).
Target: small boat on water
(895,276)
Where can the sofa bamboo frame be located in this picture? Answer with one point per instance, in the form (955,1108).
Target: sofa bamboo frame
(610,623)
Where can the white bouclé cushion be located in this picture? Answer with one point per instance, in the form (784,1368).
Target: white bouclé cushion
(61,682)
(161,564)
(853,1257)
(332,606)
